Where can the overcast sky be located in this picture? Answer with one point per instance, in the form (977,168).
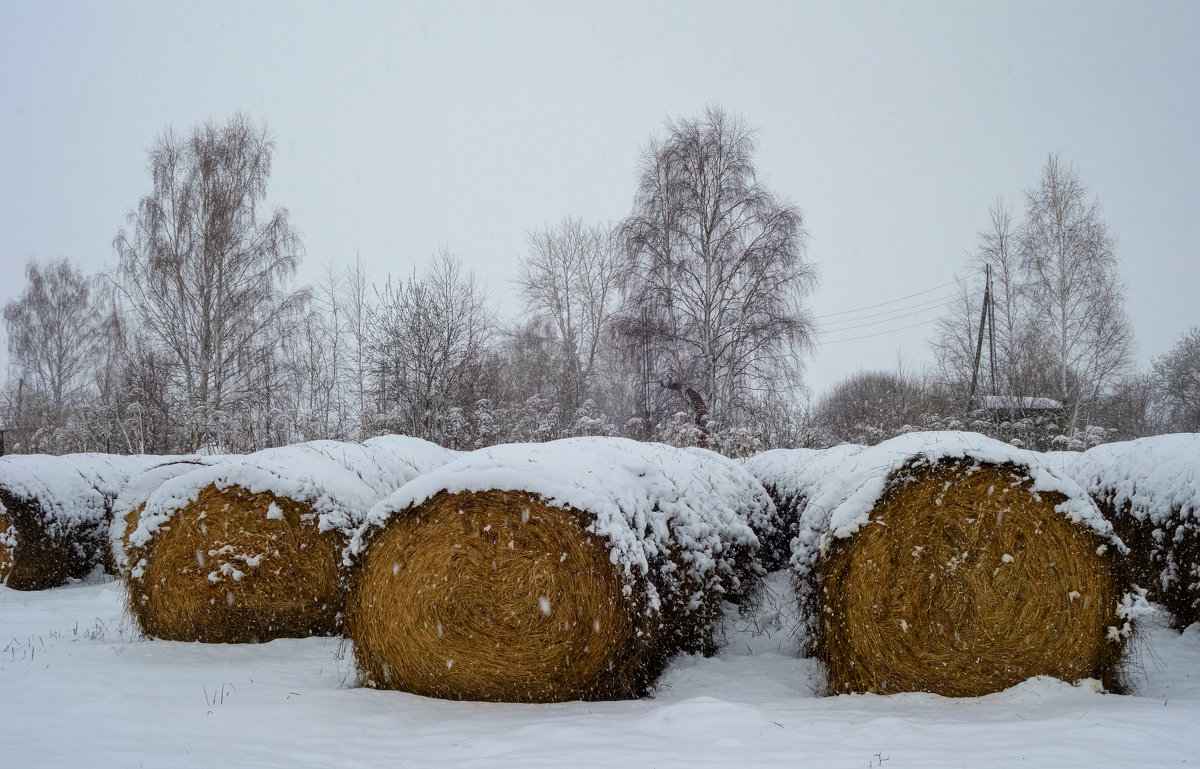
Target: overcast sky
(402,127)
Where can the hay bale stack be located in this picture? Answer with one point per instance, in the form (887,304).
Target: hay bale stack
(955,564)
(1150,490)
(56,515)
(249,549)
(568,570)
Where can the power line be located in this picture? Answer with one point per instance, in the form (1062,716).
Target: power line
(928,307)
(881,333)
(890,301)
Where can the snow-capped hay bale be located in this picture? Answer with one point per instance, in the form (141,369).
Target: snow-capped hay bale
(568,570)
(777,471)
(57,511)
(249,549)
(1150,490)
(128,506)
(955,564)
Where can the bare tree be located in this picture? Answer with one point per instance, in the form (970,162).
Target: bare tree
(1076,299)
(54,329)
(206,273)
(716,270)
(358,310)
(570,278)
(1013,363)
(868,407)
(1176,385)
(428,342)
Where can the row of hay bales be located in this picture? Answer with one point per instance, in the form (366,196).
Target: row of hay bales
(249,548)
(941,562)
(545,572)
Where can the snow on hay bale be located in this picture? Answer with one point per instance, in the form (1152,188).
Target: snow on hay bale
(249,549)
(56,511)
(547,572)
(127,508)
(955,564)
(1150,490)
(777,470)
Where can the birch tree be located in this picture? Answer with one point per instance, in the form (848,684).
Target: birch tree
(716,270)
(1076,300)
(428,341)
(54,330)
(207,271)
(1176,384)
(569,278)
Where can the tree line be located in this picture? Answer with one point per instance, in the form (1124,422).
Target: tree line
(684,322)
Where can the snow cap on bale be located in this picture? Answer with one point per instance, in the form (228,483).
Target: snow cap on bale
(1150,489)
(546,572)
(127,508)
(386,462)
(956,564)
(57,510)
(788,475)
(250,548)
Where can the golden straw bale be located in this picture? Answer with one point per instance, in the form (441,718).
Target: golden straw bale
(58,510)
(248,548)
(966,581)
(234,566)
(495,596)
(573,569)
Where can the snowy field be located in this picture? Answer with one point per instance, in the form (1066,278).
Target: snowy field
(80,689)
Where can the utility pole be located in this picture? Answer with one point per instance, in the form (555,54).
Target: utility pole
(983,316)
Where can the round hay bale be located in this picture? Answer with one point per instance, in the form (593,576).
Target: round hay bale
(1150,490)
(57,510)
(249,549)
(549,572)
(954,564)
(236,567)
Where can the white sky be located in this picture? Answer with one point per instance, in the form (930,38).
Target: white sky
(402,127)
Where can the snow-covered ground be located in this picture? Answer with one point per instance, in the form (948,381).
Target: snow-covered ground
(78,688)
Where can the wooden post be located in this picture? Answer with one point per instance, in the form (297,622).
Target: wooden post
(987,295)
